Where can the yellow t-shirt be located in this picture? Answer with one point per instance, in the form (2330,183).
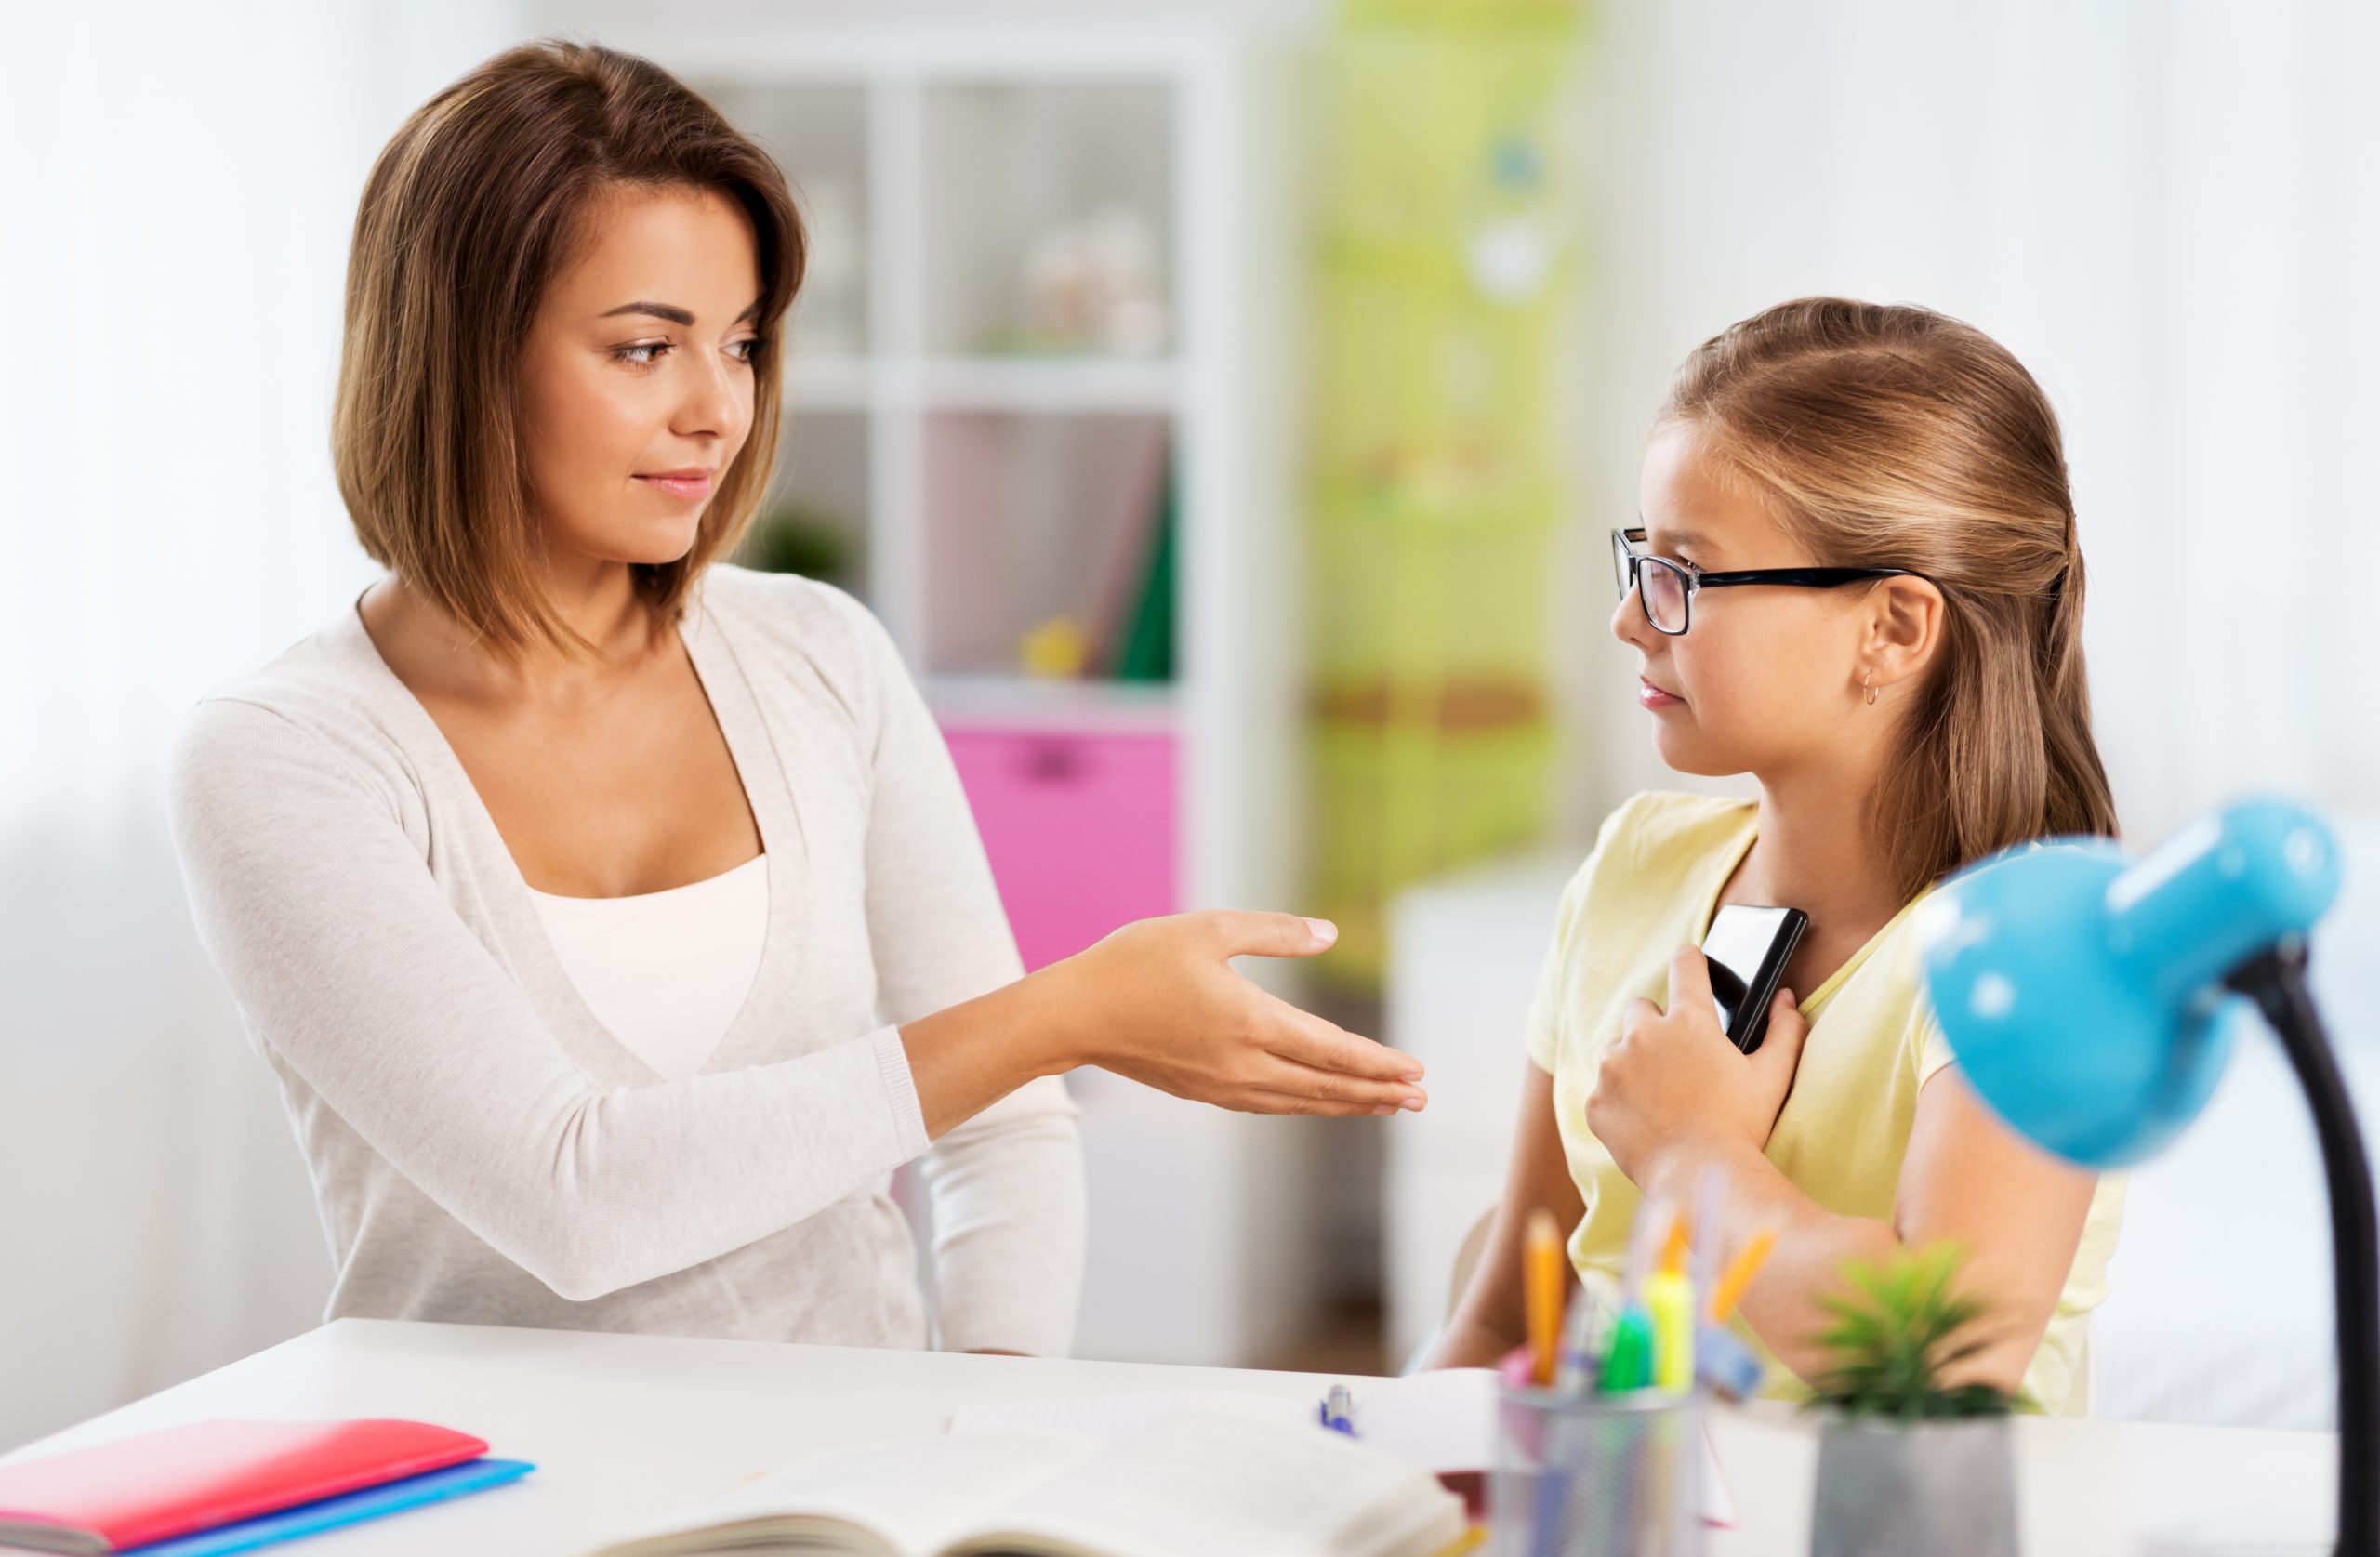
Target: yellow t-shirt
(1650,887)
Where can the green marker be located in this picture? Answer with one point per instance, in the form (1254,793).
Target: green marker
(1629,1365)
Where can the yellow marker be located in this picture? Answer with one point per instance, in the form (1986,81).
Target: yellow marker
(1740,1271)
(1669,1303)
(1542,1286)
(1469,1541)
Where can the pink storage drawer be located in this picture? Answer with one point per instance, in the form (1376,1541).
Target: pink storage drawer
(1082,829)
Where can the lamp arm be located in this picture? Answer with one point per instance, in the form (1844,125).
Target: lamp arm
(2276,982)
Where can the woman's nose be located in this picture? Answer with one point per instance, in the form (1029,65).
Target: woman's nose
(713,403)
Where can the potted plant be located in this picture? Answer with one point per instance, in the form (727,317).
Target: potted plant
(1908,1461)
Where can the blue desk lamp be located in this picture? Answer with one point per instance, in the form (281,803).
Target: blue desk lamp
(2092,1003)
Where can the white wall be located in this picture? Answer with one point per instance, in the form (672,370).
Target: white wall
(178,184)
(2170,213)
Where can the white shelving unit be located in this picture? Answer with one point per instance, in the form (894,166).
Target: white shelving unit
(982,487)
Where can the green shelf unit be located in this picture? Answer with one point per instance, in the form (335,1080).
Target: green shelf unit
(1426,96)
(1445,622)
(1446,268)
(1428,383)
(1397,802)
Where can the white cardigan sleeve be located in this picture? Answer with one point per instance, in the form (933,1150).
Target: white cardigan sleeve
(353,966)
(1006,1187)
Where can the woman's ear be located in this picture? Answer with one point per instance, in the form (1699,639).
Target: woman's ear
(1903,632)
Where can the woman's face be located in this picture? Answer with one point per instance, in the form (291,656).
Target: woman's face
(1765,680)
(636,381)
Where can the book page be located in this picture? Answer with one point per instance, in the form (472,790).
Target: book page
(1439,1421)
(914,1498)
(1106,1419)
(1196,1483)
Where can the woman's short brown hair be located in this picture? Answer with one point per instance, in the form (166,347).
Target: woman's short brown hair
(468,215)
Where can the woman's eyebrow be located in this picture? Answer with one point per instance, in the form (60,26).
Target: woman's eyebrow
(673,313)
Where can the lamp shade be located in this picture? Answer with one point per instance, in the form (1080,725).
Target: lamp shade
(2083,994)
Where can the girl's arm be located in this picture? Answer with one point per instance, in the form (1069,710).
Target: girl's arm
(1675,1100)
(2016,1210)
(1489,1319)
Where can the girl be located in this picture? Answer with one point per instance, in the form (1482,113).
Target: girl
(612,917)
(1854,576)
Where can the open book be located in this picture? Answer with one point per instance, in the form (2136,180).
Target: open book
(1190,1484)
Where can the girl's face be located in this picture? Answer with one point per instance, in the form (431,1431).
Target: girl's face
(636,381)
(1765,680)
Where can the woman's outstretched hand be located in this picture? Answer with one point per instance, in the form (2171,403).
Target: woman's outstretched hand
(1159,1003)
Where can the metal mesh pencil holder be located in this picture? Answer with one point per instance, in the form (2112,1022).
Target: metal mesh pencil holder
(1588,1475)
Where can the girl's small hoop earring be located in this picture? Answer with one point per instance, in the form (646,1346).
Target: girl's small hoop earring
(1865,680)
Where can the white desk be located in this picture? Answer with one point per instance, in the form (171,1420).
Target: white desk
(626,1427)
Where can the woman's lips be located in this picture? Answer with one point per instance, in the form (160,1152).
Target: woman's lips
(691,486)
(1651,696)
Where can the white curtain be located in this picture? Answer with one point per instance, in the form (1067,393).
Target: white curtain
(2169,212)
(178,183)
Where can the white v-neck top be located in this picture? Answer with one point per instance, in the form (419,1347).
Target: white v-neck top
(484,1150)
(664,972)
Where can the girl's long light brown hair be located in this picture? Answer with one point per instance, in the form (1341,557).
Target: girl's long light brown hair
(1893,436)
(468,215)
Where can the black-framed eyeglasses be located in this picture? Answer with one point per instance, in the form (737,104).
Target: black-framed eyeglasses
(1665,587)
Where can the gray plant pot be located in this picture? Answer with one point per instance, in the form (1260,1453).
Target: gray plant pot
(1947,1489)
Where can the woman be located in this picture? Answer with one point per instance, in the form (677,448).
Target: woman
(614,918)
(1917,707)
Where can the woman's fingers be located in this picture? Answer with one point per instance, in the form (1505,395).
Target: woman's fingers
(1275,1075)
(1321,1108)
(1242,933)
(1309,1040)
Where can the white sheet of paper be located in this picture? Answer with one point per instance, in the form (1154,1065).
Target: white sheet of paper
(1441,1421)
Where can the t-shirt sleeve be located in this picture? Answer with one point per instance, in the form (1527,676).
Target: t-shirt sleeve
(1547,1019)
(1930,1044)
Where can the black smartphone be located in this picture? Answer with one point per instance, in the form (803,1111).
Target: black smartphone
(1748,949)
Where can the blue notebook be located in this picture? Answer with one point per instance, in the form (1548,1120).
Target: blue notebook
(350,1508)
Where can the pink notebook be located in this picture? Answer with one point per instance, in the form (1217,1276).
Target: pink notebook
(160,1484)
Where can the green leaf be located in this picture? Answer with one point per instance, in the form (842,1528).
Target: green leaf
(1899,1327)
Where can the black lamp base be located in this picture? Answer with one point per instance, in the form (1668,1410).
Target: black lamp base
(2276,982)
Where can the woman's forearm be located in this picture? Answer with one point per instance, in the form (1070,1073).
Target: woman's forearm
(967,1057)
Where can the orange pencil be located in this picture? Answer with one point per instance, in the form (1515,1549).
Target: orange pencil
(1542,1277)
(1740,1274)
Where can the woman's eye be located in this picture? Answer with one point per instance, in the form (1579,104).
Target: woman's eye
(642,354)
(746,350)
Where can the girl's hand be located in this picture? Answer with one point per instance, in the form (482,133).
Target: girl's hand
(1157,1001)
(1672,1083)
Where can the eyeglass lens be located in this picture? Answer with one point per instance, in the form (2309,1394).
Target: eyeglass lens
(1663,588)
